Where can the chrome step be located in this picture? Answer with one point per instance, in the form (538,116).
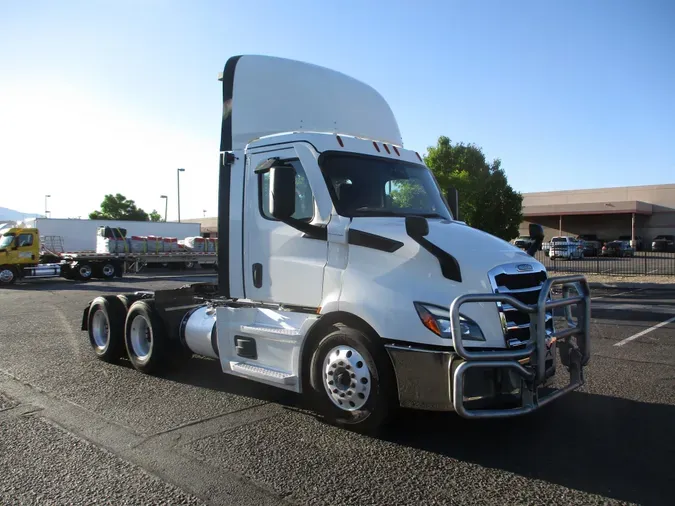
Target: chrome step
(263,373)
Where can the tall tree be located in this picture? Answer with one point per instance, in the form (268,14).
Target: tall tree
(118,207)
(155,216)
(486,200)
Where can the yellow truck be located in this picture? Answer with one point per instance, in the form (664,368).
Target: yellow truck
(23,257)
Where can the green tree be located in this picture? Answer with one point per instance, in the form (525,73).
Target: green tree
(118,207)
(486,200)
(155,216)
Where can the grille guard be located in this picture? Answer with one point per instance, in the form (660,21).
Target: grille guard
(573,355)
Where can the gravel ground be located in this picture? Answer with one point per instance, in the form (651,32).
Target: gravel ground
(6,402)
(42,464)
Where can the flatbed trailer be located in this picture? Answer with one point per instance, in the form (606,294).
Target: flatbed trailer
(22,257)
(136,262)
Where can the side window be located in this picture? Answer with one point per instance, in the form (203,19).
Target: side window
(304,199)
(24,240)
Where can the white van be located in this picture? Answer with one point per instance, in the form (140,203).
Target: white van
(566,247)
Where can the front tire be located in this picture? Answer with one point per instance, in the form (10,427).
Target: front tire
(7,275)
(106,328)
(352,380)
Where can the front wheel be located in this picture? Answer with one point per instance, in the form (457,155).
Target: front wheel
(7,275)
(353,381)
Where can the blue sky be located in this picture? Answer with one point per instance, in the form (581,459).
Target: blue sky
(99,97)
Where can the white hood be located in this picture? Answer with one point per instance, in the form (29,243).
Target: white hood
(396,280)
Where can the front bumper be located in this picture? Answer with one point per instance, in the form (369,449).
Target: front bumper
(461,379)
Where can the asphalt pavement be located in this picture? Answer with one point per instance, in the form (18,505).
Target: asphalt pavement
(75,430)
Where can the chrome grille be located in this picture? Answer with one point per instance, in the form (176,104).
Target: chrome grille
(524,286)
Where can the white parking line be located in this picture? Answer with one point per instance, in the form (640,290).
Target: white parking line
(640,334)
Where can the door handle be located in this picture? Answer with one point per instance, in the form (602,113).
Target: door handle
(257,275)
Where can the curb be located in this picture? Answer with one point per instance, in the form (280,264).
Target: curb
(629,285)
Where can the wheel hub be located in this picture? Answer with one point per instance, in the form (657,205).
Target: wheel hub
(141,337)
(346,378)
(6,275)
(100,329)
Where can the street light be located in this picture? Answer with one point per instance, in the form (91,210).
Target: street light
(166,204)
(46,212)
(178,171)
(204,213)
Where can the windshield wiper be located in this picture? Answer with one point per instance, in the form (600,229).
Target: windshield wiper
(377,211)
(430,215)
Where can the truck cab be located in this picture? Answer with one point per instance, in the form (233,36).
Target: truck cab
(19,248)
(343,272)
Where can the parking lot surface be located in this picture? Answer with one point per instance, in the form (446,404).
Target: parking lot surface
(75,430)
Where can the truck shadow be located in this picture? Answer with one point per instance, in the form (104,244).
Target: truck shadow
(207,373)
(594,443)
(598,444)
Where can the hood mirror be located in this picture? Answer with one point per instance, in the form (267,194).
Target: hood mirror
(416,226)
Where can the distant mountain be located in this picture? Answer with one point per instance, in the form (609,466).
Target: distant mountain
(12,215)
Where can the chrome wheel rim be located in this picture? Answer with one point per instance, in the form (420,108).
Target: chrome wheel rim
(108,270)
(100,329)
(6,275)
(85,271)
(141,337)
(346,378)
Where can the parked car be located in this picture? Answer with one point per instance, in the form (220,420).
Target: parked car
(663,243)
(618,249)
(637,246)
(566,247)
(592,245)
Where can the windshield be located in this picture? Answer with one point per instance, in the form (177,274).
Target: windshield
(558,239)
(6,240)
(372,186)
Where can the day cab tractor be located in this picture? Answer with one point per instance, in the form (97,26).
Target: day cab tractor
(22,258)
(344,273)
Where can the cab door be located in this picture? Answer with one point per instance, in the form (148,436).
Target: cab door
(25,249)
(281,264)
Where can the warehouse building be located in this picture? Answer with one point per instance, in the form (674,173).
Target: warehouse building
(636,211)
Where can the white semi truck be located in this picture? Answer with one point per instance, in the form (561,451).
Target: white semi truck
(343,274)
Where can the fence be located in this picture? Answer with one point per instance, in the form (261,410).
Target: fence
(644,263)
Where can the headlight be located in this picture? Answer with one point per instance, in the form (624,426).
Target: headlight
(437,319)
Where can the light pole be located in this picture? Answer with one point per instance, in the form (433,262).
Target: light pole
(178,171)
(204,213)
(166,204)
(46,197)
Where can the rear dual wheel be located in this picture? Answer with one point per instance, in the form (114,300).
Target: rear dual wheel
(137,333)
(106,328)
(148,346)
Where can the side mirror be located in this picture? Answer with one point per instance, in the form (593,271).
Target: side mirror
(453,202)
(416,226)
(537,236)
(282,194)
(536,232)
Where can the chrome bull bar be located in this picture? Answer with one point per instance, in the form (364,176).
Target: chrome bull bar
(573,355)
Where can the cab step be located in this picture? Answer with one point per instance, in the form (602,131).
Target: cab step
(263,373)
